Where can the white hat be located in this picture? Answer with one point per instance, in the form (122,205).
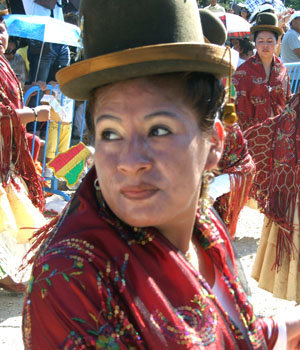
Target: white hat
(261,8)
(294,15)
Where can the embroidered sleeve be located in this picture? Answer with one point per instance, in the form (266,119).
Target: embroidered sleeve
(244,107)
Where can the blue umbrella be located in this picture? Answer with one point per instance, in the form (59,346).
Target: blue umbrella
(43,28)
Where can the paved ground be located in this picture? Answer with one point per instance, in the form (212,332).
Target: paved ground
(246,241)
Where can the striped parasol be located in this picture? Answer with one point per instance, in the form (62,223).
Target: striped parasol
(236,26)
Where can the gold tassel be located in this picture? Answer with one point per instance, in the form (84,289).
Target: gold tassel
(229,116)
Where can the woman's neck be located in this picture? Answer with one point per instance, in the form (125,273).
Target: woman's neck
(179,232)
(267,64)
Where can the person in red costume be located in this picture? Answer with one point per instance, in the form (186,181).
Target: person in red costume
(139,259)
(17,169)
(275,146)
(262,82)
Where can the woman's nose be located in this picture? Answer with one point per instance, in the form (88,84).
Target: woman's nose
(135,157)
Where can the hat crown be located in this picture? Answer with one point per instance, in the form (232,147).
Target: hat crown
(266,18)
(115,25)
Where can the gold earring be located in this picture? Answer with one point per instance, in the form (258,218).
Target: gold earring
(205,200)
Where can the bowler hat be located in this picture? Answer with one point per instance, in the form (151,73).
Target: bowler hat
(266,21)
(128,39)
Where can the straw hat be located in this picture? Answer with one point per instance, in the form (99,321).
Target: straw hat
(123,41)
(266,21)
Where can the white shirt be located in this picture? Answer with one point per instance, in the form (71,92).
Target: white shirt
(32,8)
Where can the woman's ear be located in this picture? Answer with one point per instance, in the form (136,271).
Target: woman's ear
(216,148)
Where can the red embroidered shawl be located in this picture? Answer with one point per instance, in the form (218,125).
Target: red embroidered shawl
(15,155)
(256,98)
(237,162)
(275,148)
(98,283)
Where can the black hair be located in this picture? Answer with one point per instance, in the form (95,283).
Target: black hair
(245,46)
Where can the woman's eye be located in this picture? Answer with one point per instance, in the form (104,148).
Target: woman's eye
(109,135)
(159,131)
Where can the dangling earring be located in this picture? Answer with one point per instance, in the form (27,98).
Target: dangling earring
(99,193)
(205,200)
(96,185)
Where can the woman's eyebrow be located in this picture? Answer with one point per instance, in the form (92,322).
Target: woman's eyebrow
(104,117)
(161,113)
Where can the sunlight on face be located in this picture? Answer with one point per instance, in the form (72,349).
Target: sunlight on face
(150,153)
(266,44)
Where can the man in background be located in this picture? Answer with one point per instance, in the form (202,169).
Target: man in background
(215,7)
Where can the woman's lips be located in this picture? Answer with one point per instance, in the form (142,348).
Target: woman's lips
(139,192)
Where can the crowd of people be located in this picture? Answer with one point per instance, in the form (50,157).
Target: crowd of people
(187,131)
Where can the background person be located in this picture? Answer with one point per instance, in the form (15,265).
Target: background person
(215,7)
(290,46)
(55,56)
(262,82)
(21,195)
(16,61)
(275,148)
(106,265)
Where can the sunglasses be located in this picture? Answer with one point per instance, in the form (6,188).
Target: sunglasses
(10,52)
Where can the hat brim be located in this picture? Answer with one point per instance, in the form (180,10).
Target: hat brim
(266,27)
(79,79)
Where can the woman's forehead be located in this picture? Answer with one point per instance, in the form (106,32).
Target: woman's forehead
(265,34)
(153,85)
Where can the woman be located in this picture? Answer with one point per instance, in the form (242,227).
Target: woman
(275,147)
(21,195)
(262,82)
(133,262)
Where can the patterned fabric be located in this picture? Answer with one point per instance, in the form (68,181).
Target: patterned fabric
(253,4)
(98,283)
(275,147)
(237,162)
(256,98)
(16,159)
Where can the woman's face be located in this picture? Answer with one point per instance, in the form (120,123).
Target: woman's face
(235,44)
(265,44)
(150,153)
(3,38)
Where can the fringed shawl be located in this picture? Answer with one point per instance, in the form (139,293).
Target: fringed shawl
(99,283)
(15,157)
(256,97)
(237,162)
(275,148)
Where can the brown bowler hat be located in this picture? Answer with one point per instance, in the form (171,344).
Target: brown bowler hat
(146,37)
(266,21)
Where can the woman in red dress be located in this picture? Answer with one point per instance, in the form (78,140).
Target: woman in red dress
(262,82)
(139,259)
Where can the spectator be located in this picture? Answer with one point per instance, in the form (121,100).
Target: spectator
(244,11)
(16,61)
(290,46)
(55,56)
(215,7)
